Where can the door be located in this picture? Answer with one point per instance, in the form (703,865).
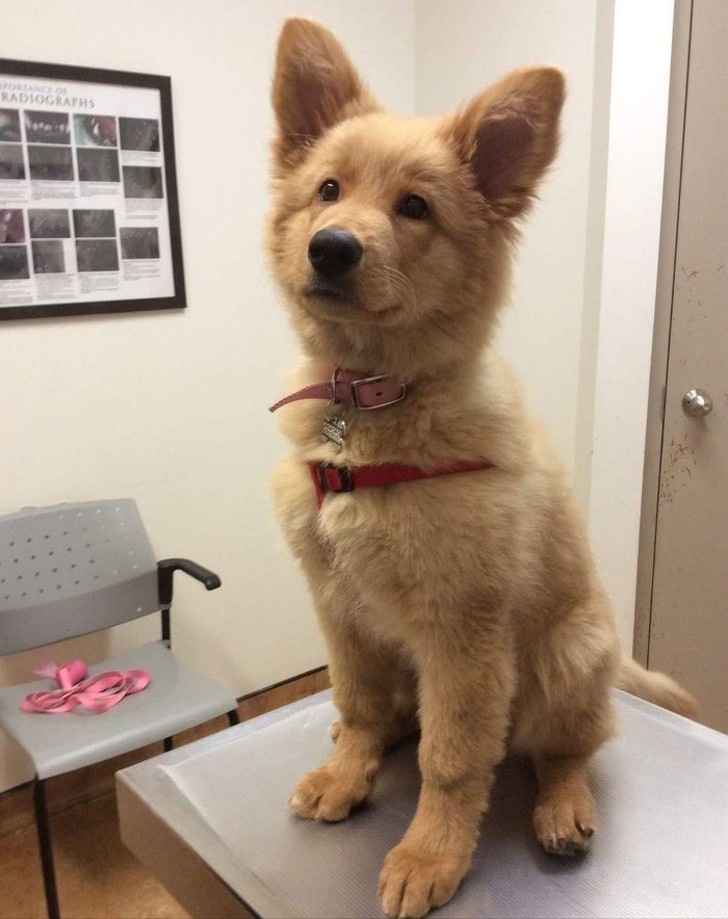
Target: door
(688,634)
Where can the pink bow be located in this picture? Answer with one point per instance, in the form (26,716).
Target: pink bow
(98,693)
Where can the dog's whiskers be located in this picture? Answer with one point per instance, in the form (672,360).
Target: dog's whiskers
(401,285)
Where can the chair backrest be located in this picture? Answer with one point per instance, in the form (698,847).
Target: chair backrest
(71,569)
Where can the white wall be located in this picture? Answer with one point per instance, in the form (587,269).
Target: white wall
(633,207)
(579,330)
(542,328)
(172,408)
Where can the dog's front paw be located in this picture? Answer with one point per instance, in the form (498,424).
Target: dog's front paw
(565,826)
(330,792)
(412,883)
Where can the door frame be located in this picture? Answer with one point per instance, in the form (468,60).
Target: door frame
(679,75)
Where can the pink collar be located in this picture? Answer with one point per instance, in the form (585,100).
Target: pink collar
(363,392)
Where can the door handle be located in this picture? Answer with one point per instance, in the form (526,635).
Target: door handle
(696,403)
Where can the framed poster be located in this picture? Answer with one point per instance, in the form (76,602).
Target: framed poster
(89,214)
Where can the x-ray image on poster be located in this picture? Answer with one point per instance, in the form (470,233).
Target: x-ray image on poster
(89,217)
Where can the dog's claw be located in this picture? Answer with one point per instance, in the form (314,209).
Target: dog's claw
(564,828)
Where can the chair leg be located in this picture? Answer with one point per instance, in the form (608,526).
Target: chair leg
(46,848)
(168,744)
(233,717)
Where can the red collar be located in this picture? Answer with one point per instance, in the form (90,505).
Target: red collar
(365,392)
(337,479)
(362,391)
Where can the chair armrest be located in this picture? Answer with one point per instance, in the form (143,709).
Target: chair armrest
(165,573)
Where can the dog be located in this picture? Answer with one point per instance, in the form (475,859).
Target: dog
(446,558)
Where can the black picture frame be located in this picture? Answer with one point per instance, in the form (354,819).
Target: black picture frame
(59,73)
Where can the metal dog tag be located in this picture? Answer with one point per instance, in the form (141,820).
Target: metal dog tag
(334,430)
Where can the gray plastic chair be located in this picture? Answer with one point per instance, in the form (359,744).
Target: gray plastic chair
(69,570)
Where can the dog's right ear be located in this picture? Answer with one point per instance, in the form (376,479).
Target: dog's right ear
(314,86)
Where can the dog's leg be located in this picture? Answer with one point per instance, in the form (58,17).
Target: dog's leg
(406,721)
(362,678)
(569,716)
(465,695)
(565,817)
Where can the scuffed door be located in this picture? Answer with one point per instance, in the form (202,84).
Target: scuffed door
(689,622)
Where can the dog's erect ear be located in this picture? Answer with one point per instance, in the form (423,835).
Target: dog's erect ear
(509,135)
(314,87)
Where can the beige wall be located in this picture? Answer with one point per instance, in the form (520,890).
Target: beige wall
(172,409)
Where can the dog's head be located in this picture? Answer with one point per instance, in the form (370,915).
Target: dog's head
(390,236)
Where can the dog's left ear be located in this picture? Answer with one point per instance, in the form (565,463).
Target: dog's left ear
(509,134)
(315,86)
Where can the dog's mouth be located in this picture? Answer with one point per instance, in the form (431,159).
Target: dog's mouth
(343,304)
(332,295)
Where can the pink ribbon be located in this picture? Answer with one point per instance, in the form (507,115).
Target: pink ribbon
(97,693)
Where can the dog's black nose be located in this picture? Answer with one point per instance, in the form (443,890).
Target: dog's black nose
(334,251)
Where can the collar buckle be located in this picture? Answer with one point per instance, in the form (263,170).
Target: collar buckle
(370,381)
(335,479)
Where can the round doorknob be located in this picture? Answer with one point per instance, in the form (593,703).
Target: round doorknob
(697,403)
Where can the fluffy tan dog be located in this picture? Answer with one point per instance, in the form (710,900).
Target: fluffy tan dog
(464,604)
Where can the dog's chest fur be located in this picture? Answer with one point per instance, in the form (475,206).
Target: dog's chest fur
(413,553)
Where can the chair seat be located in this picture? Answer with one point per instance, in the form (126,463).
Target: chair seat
(176,699)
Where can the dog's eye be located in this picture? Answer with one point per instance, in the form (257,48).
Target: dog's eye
(414,207)
(329,191)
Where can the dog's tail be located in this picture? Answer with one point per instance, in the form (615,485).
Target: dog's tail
(657,688)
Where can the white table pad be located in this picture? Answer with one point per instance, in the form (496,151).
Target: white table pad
(661,789)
